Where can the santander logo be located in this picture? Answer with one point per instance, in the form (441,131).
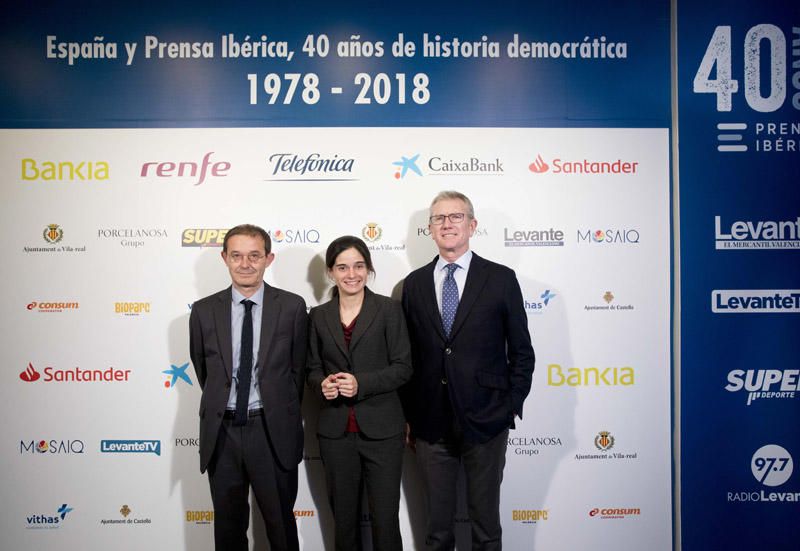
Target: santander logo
(538,166)
(30,374)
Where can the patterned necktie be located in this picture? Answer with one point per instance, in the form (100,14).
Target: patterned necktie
(449,299)
(245,366)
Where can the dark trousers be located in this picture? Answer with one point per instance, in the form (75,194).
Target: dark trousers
(483,466)
(243,459)
(352,462)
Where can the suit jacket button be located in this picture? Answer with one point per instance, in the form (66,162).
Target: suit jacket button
(444,380)
(448,351)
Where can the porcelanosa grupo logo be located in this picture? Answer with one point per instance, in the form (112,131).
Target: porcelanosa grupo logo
(583,166)
(772,466)
(311,167)
(406,164)
(533,445)
(757,234)
(764,384)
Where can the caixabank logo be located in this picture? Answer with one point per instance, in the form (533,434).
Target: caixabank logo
(439,165)
(756,234)
(772,466)
(764,384)
(48,521)
(558,165)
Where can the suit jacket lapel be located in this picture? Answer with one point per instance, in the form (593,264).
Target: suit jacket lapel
(369,309)
(334,324)
(429,299)
(476,279)
(222,320)
(270,313)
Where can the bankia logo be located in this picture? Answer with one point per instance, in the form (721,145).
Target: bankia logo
(51,447)
(590,376)
(583,166)
(37,170)
(131,446)
(203,237)
(188,170)
(39,521)
(406,164)
(757,234)
(75,375)
(310,167)
(755,301)
(294,235)
(465,166)
(549,237)
(764,384)
(51,307)
(772,466)
(617,236)
(177,373)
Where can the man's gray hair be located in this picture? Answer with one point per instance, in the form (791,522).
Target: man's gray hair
(447,195)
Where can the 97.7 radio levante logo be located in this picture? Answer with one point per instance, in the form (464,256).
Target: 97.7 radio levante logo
(772,466)
(766,50)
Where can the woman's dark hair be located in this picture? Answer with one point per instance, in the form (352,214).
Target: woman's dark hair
(341,244)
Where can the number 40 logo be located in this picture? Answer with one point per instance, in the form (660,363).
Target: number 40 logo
(724,85)
(772,465)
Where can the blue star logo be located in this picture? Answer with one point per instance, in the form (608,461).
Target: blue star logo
(63,510)
(407,164)
(177,373)
(546,296)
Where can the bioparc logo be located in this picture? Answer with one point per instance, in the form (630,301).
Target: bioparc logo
(133,309)
(582,166)
(614,512)
(530,516)
(764,384)
(131,446)
(188,170)
(203,237)
(41,447)
(755,301)
(51,307)
(177,373)
(539,306)
(199,516)
(38,521)
(772,466)
(75,375)
(311,167)
(760,234)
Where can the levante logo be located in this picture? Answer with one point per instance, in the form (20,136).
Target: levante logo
(759,234)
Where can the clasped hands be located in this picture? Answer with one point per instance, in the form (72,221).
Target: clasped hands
(341,383)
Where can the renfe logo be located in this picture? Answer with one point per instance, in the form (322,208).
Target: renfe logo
(755,301)
(170,169)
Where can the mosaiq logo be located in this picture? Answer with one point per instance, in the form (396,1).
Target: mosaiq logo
(310,167)
(295,235)
(51,447)
(618,236)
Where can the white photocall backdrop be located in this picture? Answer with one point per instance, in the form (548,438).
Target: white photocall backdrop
(581,215)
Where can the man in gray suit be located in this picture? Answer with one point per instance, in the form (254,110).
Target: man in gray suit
(248,347)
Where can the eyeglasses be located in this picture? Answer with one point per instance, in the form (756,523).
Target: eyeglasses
(454,217)
(254,258)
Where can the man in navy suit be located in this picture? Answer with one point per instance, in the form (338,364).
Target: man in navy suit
(248,346)
(473,362)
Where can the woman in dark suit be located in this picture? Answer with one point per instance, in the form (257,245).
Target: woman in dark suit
(358,356)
